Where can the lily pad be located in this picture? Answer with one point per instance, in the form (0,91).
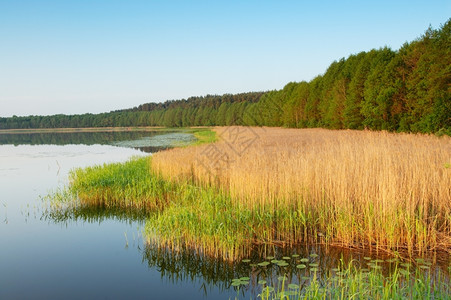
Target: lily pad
(314,265)
(301,266)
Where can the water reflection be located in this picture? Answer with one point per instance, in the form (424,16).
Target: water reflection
(146,141)
(178,265)
(93,214)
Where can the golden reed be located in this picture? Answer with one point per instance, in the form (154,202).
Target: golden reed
(360,189)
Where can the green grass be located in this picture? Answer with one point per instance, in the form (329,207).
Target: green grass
(124,185)
(205,136)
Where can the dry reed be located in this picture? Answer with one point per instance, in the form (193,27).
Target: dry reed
(354,188)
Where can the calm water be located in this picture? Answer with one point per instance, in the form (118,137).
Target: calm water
(100,255)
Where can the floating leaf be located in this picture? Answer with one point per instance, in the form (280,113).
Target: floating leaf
(313,269)
(281,278)
(286,257)
(269,257)
(263,264)
(282,264)
(246,260)
(293,286)
(261,281)
(275,261)
(313,255)
(304,260)
(295,255)
(301,266)
(236,283)
(314,265)
(268,289)
(367,258)
(244,278)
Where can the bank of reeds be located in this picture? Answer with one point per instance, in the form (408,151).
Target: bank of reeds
(359,189)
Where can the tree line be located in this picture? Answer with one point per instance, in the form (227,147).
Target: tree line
(407,90)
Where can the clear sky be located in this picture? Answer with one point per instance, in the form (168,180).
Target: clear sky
(96,56)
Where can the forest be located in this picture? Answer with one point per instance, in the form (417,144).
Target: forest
(407,90)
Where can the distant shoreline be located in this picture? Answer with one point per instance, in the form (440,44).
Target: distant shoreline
(87,129)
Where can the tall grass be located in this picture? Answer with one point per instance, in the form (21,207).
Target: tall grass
(119,185)
(353,188)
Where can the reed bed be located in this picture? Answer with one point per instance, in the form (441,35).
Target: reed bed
(360,189)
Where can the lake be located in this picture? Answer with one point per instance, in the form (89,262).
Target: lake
(93,253)
(98,255)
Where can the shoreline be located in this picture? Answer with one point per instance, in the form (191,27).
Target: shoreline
(76,129)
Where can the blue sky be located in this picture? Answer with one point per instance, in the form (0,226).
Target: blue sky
(95,56)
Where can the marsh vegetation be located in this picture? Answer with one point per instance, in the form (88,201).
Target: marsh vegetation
(358,189)
(375,192)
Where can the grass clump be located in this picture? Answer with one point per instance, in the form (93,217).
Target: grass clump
(126,185)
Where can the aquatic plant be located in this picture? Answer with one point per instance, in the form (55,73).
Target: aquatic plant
(357,189)
(349,280)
